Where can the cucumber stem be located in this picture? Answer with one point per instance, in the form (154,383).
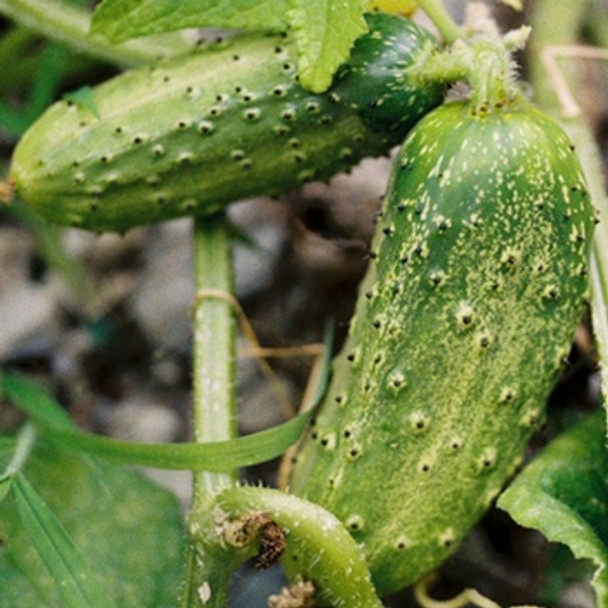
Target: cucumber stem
(439,16)
(491,76)
(214,409)
(479,56)
(485,64)
(64,23)
(327,552)
(214,401)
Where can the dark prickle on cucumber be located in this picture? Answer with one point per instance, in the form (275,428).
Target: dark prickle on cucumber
(476,283)
(229,122)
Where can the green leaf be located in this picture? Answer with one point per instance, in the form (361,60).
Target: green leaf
(129,531)
(15,590)
(119,20)
(213,456)
(563,493)
(35,401)
(5,486)
(76,582)
(325,31)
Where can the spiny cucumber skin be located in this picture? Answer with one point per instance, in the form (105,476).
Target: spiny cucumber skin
(476,284)
(231,122)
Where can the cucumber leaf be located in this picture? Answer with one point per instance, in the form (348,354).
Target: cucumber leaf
(120,20)
(563,493)
(213,456)
(77,583)
(15,590)
(129,535)
(325,31)
(35,401)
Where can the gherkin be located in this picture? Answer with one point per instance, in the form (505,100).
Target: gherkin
(195,133)
(477,281)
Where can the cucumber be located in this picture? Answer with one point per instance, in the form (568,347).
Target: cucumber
(477,281)
(190,135)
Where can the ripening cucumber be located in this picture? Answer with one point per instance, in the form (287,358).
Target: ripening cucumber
(229,122)
(476,283)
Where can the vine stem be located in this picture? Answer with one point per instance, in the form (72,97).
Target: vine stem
(214,400)
(61,22)
(562,29)
(214,408)
(439,16)
(317,543)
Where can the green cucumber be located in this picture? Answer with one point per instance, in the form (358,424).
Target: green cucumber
(476,283)
(229,122)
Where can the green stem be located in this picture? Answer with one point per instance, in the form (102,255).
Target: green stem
(486,65)
(318,545)
(214,349)
(64,23)
(214,409)
(481,57)
(439,16)
(491,78)
(558,24)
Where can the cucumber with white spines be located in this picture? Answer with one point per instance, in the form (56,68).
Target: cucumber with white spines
(476,283)
(230,122)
